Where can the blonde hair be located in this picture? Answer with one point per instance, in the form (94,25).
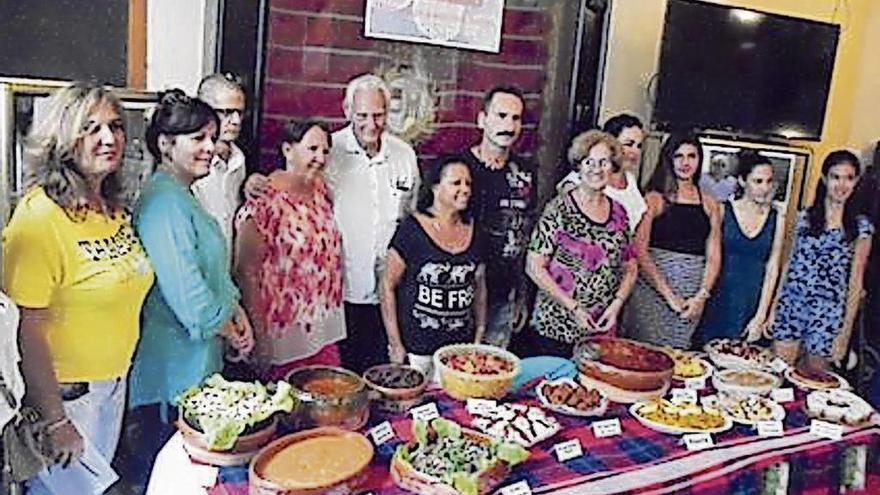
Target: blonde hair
(584,142)
(50,150)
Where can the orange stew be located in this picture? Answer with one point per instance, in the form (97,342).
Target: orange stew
(331,385)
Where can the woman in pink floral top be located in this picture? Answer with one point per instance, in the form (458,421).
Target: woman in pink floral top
(289,259)
(581,256)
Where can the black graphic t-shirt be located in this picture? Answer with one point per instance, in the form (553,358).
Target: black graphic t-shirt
(435,297)
(504,202)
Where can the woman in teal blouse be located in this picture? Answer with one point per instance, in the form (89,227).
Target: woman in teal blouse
(194,301)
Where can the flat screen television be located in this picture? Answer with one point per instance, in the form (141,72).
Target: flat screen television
(743,72)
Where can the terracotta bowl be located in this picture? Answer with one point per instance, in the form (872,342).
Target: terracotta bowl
(625,364)
(345,484)
(395,388)
(244,449)
(346,404)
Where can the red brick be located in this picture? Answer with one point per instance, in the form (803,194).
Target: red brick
(480,78)
(515,52)
(316,66)
(302,101)
(524,23)
(286,29)
(284,64)
(465,108)
(320,31)
(449,140)
(348,7)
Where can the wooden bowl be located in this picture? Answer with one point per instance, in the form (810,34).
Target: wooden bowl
(624,364)
(395,388)
(344,484)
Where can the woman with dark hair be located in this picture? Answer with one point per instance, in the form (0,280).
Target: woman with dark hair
(73,265)
(679,249)
(288,259)
(194,303)
(822,285)
(581,255)
(622,184)
(433,290)
(753,230)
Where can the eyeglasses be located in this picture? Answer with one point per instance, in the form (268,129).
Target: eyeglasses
(592,163)
(229,112)
(229,76)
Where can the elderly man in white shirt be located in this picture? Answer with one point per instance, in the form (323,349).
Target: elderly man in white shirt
(219,191)
(374,179)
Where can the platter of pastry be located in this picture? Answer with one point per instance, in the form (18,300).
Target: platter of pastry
(567,396)
(752,409)
(525,425)
(815,379)
(680,418)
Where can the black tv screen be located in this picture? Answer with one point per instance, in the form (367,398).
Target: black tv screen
(743,71)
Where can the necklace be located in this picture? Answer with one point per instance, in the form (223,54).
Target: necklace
(452,236)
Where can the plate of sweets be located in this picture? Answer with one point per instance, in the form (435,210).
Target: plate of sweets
(525,425)
(839,406)
(688,366)
(678,418)
(815,379)
(738,354)
(751,409)
(569,397)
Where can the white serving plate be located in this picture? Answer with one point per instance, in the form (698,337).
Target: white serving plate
(777,414)
(744,390)
(676,430)
(599,410)
(790,376)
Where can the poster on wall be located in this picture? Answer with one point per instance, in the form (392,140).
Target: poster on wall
(471,24)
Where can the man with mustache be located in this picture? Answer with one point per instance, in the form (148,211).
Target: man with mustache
(503,202)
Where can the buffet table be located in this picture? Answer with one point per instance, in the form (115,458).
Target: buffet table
(640,460)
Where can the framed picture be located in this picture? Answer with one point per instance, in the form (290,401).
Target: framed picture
(720,165)
(470,24)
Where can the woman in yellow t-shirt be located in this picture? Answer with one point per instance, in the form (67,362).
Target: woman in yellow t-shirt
(75,267)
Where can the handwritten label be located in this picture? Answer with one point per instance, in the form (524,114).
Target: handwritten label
(825,429)
(607,428)
(770,428)
(425,412)
(709,401)
(698,383)
(481,406)
(684,395)
(698,441)
(778,365)
(782,395)
(518,488)
(382,433)
(566,451)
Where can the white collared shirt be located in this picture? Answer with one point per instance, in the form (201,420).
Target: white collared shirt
(218,192)
(370,197)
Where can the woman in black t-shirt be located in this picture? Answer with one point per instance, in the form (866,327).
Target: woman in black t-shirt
(433,290)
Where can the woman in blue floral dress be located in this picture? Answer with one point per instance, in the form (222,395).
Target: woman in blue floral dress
(820,293)
(581,255)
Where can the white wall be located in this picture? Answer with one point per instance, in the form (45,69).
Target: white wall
(181,42)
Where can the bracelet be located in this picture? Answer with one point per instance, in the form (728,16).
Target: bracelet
(55,425)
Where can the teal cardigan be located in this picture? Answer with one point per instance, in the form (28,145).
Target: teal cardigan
(193,297)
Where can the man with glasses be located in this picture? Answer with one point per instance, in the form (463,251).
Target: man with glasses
(218,192)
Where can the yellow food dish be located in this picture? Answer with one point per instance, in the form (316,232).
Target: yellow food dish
(686,364)
(685,416)
(318,462)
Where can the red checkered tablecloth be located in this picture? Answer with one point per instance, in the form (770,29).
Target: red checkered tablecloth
(644,461)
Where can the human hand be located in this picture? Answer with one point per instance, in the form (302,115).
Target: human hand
(396,353)
(520,316)
(583,319)
(608,320)
(63,443)
(239,332)
(692,308)
(256,186)
(675,302)
(754,330)
(839,348)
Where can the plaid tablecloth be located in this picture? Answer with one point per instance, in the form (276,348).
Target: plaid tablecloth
(644,461)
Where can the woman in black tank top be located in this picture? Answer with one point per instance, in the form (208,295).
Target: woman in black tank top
(679,242)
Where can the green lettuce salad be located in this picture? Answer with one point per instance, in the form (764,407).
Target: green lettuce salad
(441,451)
(222,410)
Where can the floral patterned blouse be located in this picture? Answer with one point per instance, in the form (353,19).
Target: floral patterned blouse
(301,272)
(585,259)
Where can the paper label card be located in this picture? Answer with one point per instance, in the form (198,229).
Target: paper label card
(684,395)
(709,401)
(382,433)
(518,488)
(781,395)
(566,451)
(698,441)
(778,365)
(695,383)
(425,412)
(480,406)
(770,428)
(825,429)
(607,428)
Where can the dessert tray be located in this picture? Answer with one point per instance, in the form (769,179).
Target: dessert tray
(566,396)
(736,354)
(525,425)
(677,419)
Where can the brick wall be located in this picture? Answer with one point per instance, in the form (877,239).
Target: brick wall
(316,46)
